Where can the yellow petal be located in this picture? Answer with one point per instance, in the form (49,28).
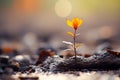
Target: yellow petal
(80,22)
(69,23)
(75,20)
(71,34)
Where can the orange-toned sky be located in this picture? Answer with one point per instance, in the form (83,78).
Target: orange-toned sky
(50,15)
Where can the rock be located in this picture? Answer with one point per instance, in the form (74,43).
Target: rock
(50,63)
(106,60)
(6,64)
(1,71)
(43,55)
(102,47)
(4,59)
(20,62)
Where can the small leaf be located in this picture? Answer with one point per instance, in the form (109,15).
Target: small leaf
(77,34)
(78,45)
(66,42)
(71,34)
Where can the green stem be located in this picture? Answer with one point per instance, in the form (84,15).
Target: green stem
(75,47)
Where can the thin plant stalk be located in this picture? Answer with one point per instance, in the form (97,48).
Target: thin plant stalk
(74,46)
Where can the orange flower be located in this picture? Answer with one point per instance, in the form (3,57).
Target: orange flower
(75,23)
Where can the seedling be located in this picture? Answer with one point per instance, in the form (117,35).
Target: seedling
(75,24)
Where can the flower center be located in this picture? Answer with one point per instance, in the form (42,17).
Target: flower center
(75,24)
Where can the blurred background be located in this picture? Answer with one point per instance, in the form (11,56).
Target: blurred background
(31,24)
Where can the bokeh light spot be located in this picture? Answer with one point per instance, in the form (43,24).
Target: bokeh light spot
(63,8)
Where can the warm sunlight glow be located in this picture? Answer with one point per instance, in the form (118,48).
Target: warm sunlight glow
(63,8)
